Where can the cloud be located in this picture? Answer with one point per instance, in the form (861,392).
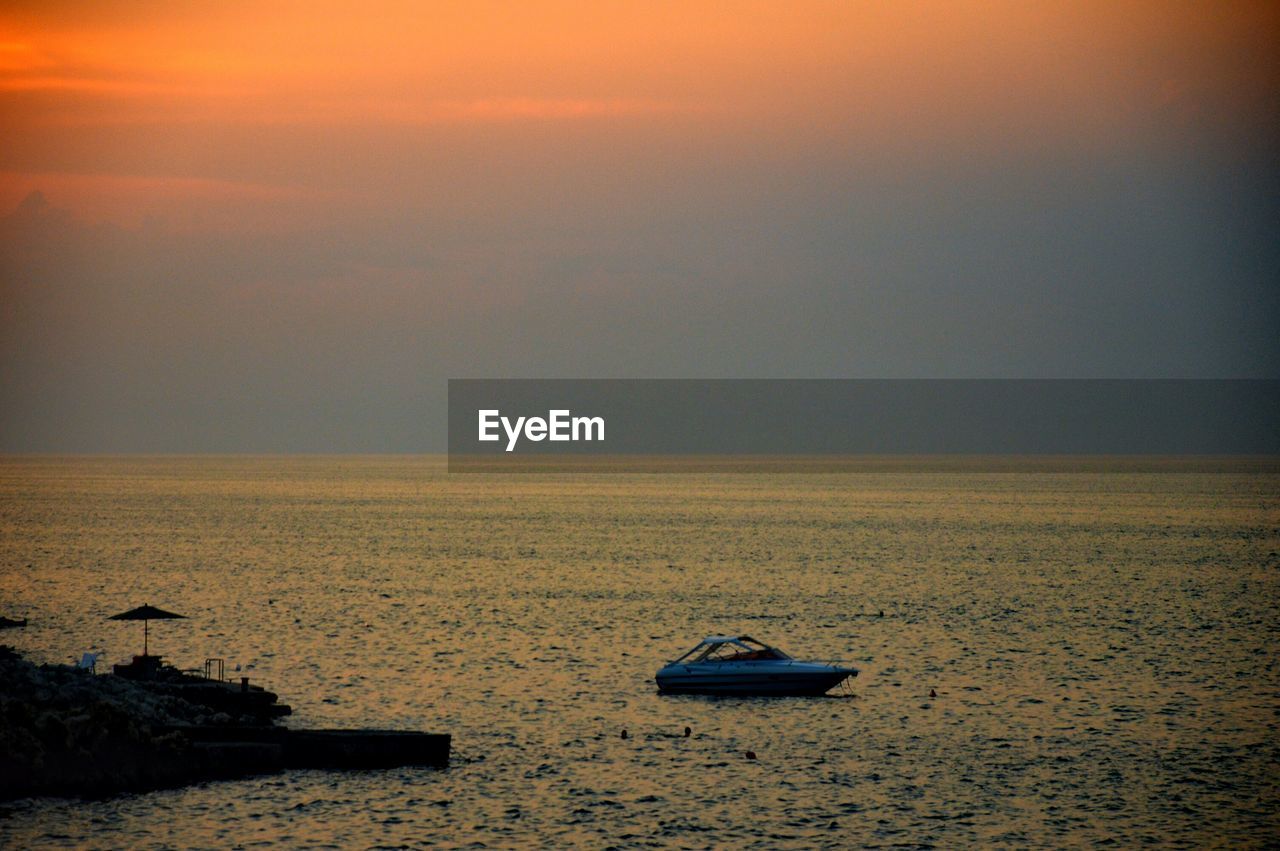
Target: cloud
(551,108)
(181,202)
(338,334)
(22,57)
(91,85)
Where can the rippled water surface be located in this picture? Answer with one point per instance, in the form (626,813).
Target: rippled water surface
(1102,641)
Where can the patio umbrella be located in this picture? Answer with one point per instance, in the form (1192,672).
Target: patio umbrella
(144,614)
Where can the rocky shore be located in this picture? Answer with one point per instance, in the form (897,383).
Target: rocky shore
(67,732)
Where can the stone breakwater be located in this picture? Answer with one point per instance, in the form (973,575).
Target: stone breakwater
(67,732)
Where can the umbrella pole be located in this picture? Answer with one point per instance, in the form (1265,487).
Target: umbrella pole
(144,638)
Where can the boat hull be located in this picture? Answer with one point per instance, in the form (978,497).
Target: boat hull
(747,681)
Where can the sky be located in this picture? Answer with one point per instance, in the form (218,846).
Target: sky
(281,227)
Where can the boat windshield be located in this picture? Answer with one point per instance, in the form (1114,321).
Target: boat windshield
(739,649)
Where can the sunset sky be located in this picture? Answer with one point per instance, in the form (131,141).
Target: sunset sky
(276,227)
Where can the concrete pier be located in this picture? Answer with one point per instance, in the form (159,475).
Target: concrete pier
(364,749)
(229,751)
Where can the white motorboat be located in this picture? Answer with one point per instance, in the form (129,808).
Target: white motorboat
(740,665)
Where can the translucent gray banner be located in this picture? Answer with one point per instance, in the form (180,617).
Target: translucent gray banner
(516,425)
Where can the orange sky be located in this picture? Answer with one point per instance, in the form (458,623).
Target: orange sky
(272,226)
(130,105)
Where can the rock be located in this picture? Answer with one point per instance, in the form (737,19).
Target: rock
(67,732)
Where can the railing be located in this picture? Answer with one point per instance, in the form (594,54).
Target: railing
(210,665)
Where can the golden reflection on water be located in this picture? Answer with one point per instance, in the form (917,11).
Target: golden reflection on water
(1100,637)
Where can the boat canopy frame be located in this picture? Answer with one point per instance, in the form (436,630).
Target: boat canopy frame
(730,648)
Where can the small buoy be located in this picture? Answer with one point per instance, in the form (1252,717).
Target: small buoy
(687,732)
(624,734)
(751,754)
(932,693)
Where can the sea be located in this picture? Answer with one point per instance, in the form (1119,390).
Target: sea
(1054,652)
